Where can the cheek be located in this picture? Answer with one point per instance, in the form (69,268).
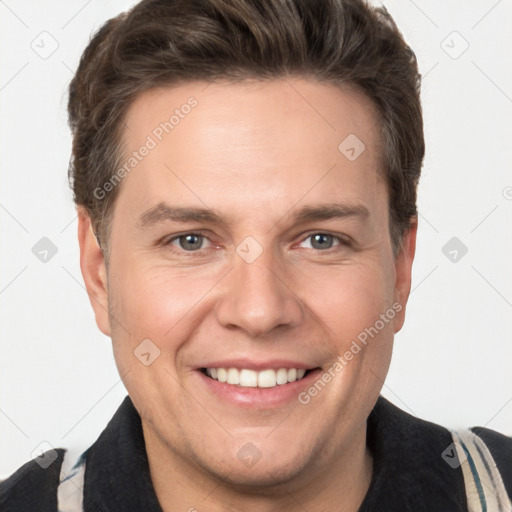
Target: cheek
(158,303)
(348,299)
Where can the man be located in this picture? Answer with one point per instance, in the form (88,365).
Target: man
(245,177)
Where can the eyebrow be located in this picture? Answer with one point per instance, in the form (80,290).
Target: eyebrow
(163,212)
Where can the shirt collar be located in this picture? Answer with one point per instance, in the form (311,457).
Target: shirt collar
(408,471)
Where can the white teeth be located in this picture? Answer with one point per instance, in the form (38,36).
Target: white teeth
(222,374)
(267,379)
(233,376)
(252,379)
(282,376)
(248,378)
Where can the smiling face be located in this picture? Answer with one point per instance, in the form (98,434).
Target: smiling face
(249,239)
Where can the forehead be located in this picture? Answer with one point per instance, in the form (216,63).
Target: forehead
(273,141)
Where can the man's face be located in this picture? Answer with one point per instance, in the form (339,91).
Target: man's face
(294,267)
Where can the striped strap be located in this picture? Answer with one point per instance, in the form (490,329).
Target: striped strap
(71,484)
(485,490)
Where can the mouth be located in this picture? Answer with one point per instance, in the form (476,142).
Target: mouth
(247,378)
(254,383)
(266,389)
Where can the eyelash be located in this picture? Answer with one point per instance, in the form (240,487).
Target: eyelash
(341,242)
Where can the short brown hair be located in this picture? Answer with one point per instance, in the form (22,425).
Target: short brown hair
(165,42)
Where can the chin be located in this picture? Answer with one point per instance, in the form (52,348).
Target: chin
(262,478)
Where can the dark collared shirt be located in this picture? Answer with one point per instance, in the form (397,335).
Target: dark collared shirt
(409,473)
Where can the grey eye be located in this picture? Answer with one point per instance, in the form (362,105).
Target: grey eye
(322,241)
(190,242)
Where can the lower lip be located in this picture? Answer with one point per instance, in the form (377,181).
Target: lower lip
(266,398)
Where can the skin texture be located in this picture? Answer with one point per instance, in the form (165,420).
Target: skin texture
(255,152)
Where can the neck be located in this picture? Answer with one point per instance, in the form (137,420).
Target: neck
(337,483)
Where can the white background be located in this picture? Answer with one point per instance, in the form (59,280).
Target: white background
(452,361)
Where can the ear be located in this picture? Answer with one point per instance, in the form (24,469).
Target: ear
(92,264)
(403,271)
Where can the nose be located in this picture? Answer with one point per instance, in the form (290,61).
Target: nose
(257,299)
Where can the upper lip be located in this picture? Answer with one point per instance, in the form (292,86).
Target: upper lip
(251,364)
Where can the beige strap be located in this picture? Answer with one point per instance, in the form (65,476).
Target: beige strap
(71,486)
(485,490)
